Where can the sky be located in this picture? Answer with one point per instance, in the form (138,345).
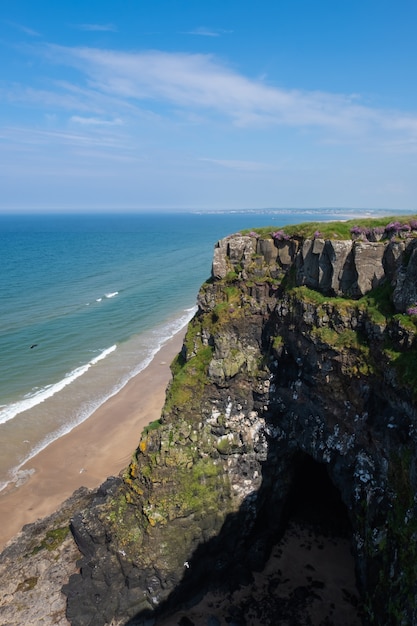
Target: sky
(207,104)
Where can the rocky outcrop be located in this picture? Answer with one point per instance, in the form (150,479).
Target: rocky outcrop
(346,268)
(36,564)
(405,292)
(276,368)
(349,268)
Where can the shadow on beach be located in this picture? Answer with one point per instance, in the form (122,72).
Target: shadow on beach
(307,579)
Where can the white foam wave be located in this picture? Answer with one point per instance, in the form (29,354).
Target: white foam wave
(101,356)
(161,336)
(111,294)
(11,410)
(165,332)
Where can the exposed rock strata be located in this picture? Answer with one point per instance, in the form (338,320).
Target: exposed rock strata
(271,371)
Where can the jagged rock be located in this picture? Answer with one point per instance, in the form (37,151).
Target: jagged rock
(368,263)
(219,266)
(268,376)
(268,250)
(334,267)
(341,267)
(343,273)
(241,249)
(405,292)
(393,257)
(35,565)
(287,251)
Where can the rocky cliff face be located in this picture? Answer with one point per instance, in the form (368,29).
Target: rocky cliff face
(300,349)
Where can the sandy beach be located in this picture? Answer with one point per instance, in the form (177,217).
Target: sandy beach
(99,447)
(308,580)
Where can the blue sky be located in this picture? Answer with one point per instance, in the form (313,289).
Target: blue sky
(215,104)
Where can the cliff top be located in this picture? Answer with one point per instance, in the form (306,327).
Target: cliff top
(372,229)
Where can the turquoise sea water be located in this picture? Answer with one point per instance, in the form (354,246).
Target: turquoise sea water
(86,302)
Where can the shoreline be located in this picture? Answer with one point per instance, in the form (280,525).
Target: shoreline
(98,447)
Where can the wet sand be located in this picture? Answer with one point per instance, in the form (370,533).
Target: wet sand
(99,447)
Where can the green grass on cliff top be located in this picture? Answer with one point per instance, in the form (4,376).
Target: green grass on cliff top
(331,230)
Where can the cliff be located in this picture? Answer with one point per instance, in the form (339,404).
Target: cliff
(303,350)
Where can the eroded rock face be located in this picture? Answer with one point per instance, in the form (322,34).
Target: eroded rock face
(405,292)
(35,565)
(268,373)
(347,268)
(334,267)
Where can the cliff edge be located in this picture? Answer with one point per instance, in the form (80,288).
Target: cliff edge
(303,349)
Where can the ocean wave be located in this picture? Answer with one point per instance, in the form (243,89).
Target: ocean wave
(158,337)
(111,294)
(11,410)
(166,331)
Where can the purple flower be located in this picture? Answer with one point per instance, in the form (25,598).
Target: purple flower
(279,235)
(412,310)
(396,228)
(360,230)
(253,234)
(376,233)
(393,228)
(413,224)
(317,234)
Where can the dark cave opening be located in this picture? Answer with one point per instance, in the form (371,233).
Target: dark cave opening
(314,500)
(311,564)
(296,570)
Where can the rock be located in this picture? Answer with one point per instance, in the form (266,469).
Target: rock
(276,375)
(405,291)
(219,266)
(287,251)
(35,565)
(267,249)
(368,264)
(393,257)
(343,274)
(241,249)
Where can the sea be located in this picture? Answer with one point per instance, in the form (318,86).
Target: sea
(86,302)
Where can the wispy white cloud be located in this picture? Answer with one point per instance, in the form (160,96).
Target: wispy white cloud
(67,96)
(22,136)
(131,119)
(95,121)
(24,29)
(118,90)
(57,97)
(202,31)
(200,84)
(242,165)
(97,27)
